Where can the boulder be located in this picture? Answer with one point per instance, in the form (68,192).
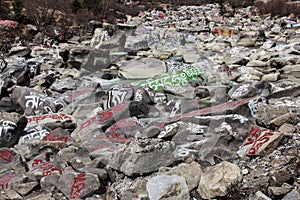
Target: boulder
(217,180)
(167,187)
(131,159)
(78,185)
(143,68)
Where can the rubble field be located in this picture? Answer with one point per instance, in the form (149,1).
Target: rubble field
(178,105)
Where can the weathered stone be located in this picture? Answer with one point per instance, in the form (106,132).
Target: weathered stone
(97,60)
(191,172)
(281,62)
(286,118)
(260,142)
(128,188)
(9,178)
(42,197)
(78,185)
(203,108)
(101,173)
(276,113)
(249,39)
(280,176)
(12,194)
(167,187)
(287,128)
(24,188)
(248,78)
(134,44)
(143,68)
(256,63)
(293,70)
(246,90)
(216,180)
(261,196)
(292,195)
(270,77)
(191,57)
(12,125)
(39,167)
(131,159)
(6,155)
(20,51)
(279,191)
(54,120)
(250,70)
(49,183)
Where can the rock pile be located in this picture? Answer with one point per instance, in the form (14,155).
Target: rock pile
(185,105)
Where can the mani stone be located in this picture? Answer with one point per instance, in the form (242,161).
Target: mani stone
(78,185)
(143,68)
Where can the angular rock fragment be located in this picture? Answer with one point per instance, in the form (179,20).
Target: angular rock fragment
(11,128)
(167,187)
(131,158)
(217,180)
(24,188)
(260,142)
(78,185)
(51,120)
(292,195)
(191,172)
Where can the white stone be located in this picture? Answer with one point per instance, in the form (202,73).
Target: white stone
(162,185)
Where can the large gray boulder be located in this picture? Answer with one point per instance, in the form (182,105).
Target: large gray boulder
(144,156)
(143,68)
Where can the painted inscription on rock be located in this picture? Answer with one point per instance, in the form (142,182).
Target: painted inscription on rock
(5,180)
(117,96)
(58,134)
(36,133)
(186,150)
(48,118)
(77,186)
(44,168)
(260,142)
(103,143)
(6,130)
(213,109)
(119,131)
(6,155)
(253,105)
(173,79)
(105,116)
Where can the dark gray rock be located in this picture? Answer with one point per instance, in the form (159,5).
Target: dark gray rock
(97,60)
(11,128)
